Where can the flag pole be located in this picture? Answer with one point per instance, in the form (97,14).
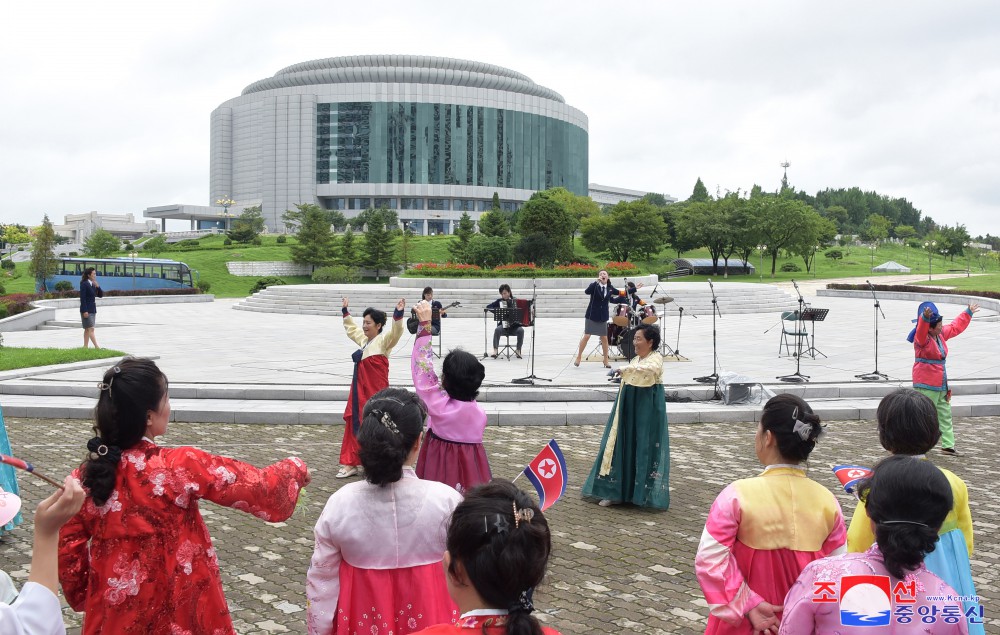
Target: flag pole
(517,477)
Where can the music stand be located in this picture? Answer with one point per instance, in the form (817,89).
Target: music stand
(813,315)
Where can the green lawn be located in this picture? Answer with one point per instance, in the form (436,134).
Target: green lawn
(210,258)
(14,357)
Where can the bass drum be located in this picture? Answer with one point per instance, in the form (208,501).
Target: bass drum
(626,343)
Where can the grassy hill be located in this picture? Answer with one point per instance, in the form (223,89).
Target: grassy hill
(209,259)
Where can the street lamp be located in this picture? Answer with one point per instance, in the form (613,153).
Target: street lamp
(226,203)
(873,247)
(762,249)
(133,255)
(929,246)
(816,260)
(968,269)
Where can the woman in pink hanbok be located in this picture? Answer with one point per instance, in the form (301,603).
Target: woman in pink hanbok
(886,589)
(762,531)
(376,566)
(452,452)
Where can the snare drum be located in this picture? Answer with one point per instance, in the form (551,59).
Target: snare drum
(614,332)
(648,314)
(621,315)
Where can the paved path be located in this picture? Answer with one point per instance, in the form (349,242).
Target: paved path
(617,569)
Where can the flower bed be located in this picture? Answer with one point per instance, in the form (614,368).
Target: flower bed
(620,268)
(518,270)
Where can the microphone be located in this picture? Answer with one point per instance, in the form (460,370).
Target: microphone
(709,281)
(870,285)
(655,287)
(795,284)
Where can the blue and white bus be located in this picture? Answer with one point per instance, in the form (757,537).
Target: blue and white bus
(125,273)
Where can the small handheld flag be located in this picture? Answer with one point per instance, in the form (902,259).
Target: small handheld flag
(547,472)
(27,467)
(850,475)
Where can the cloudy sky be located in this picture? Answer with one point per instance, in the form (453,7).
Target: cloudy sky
(106,105)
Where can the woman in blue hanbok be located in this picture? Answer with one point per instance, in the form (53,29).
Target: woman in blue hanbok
(8,480)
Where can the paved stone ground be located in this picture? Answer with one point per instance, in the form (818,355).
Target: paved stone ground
(618,569)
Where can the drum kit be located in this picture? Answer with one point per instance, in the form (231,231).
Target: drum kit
(626,320)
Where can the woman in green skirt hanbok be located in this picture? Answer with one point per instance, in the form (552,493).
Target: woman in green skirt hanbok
(633,464)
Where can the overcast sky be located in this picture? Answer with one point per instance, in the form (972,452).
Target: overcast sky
(105,105)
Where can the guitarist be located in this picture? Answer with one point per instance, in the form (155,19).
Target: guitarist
(436,309)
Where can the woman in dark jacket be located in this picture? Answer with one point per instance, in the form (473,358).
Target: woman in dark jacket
(596,317)
(90,290)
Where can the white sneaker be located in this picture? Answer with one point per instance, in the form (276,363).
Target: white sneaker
(607,502)
(347,471)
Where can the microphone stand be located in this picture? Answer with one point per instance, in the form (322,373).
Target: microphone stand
(486,350)
(532,378)
(677,344)
(797,376)
(714,377)
(875,375)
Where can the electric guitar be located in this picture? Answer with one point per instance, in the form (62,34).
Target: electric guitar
(412,322)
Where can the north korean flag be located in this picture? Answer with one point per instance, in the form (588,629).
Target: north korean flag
(850,475)
(547,472)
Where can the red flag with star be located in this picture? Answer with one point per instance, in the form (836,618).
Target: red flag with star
(547,472)
(851,475)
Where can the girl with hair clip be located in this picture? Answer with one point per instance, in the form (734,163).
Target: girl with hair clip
(371,372)
(908,425)
(138,557)
(376,565)
(762,531)
(498,546)
(908,499)
(452,452)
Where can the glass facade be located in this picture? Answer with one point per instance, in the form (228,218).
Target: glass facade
(447,144)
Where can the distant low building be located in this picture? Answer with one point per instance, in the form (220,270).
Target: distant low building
(78,227)
(610,195)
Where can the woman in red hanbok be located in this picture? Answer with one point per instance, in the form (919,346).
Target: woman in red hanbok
(376,566)
(498,546)
(138,557)
(371,373)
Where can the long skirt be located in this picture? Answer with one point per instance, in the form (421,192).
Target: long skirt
(634,456)
(950,562)
(459,465)
(8,478)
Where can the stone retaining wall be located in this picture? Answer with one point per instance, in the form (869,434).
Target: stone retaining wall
(267,268)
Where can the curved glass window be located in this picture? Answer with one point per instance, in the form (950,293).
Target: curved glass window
(447,144)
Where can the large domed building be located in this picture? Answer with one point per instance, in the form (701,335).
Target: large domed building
(430,137)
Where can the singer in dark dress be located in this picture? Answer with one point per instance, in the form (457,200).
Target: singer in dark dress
(596,318)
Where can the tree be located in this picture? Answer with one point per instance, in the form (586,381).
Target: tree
(406,247)
(43,263)
(708,224)
(578,207)
(293,218)
(904,232)
(700,193)
(657,200)
(489,251)
(13,234)
(248,225)
(838,215)
(875,229)
(494,223)
(545,216)
(314,241)
(496,201)
(379,247)
(780,220)
(348,249)
(458,247)
(630,230)
(155,245)
(101,244)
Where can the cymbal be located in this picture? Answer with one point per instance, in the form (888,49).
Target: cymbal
(666,299)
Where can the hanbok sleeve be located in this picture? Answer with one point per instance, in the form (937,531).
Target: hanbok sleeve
(920,337)
(957,326)
(728,596)
(859,533)
(74,560)
(963,516)
(396,332)
(323,578)
(799,611)
(268,493)
(836,542)
(645,372)
(354,331)
(36,611)
(425,380)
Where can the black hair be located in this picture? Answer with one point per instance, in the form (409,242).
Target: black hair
(505,287)
(907,422)
(86,273)
(378,317)
(462,375)
(908,499)
(423,296)
(779,416)
(128,392)
(504,559)
(652,334)
(391,424)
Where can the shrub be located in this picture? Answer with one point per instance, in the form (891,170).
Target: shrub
(619,268)
(204,286)
(3,314)
(265,282)
(17,302)
(3,290)
(256,242)
(189,242)
(834,254)
(790,267)
(227,242)
(583,269)
(7,264)
(74,254)
(336,274)
(517,268)
(64,285)
(282,239)
(127,246)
